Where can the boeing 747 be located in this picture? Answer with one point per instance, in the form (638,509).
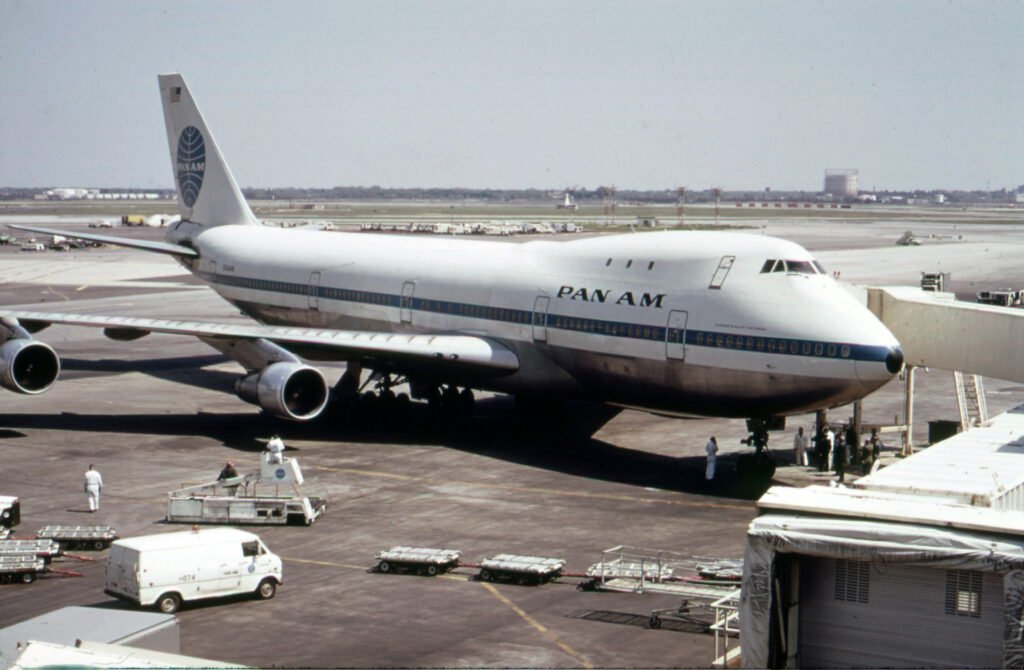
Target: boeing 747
(684,323)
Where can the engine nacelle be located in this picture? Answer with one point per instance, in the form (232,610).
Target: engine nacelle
(28,366)
(287,390)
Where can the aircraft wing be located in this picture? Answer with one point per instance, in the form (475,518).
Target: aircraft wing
(147,245)
(459,354)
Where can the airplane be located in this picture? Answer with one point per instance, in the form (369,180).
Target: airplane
(696,324)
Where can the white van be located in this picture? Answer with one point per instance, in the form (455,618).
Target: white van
(170,568)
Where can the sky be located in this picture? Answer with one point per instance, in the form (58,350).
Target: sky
(521,94)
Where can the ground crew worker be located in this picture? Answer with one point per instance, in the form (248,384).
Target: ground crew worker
(800,447)
(712,448)
(275,447)
(93,486)
(227,472)
(839,456)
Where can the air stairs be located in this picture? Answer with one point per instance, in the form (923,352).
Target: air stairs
(970,399)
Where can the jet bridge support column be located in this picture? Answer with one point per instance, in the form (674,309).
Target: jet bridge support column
(908,413)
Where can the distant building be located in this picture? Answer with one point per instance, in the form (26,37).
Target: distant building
(568,203)
(841,183)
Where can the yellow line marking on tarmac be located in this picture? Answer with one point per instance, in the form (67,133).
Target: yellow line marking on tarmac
(347,566)
(576,656)
(55,291)
(547,491)
(81,288)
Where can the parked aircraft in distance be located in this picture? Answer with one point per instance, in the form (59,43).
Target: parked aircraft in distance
(683,323)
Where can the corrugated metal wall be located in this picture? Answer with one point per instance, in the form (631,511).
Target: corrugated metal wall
(903,624)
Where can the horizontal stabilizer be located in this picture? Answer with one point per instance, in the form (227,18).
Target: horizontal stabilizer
(146,245)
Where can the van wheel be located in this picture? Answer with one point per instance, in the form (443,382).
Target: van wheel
(168,603)
(266,589)
(28,577)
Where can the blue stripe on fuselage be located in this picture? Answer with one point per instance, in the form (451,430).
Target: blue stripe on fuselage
(570,323)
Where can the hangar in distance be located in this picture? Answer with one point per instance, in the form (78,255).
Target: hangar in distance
(683,323)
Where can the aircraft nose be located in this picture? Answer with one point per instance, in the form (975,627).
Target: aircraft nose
(894,360)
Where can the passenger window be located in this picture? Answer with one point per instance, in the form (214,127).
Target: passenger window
(251,548)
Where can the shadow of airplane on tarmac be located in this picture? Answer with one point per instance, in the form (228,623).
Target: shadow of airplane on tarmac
(498,431)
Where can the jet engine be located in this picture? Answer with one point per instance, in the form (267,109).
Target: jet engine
(286,390)
(28,366)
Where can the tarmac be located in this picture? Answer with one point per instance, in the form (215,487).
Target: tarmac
(158,413)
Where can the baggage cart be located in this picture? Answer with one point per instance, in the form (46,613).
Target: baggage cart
(423,560)
(20,568)
(95,538)
(521,569)
(44,549)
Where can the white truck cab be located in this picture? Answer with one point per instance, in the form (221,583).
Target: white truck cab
(170,568)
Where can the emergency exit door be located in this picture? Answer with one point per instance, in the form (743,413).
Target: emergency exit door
(675,335)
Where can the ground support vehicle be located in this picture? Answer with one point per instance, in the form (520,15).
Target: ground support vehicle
(20,568)
(521,569)
(418,559)
(255,498)
(10,512)
(96,538)
(168,569)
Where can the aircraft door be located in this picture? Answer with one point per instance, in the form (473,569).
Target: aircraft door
(314,289)
(405,307)
(675,335)
(540,318)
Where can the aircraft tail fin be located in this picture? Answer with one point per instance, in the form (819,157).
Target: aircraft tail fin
(207,193)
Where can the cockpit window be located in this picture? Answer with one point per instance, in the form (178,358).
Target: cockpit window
(799,267)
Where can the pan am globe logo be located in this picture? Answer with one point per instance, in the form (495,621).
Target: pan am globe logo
(191,164)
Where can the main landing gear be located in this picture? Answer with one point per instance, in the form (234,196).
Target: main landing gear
(377,396)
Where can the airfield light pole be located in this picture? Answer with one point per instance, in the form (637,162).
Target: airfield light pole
(681,203)
(718,196)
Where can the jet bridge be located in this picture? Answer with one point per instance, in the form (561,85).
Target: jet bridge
(937,330)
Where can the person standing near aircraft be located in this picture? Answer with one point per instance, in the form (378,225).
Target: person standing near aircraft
(275,448)
(227,472)
(712,449)
(93,486)
(800,447)
(824,448)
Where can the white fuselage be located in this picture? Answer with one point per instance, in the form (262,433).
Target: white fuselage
(679,322)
